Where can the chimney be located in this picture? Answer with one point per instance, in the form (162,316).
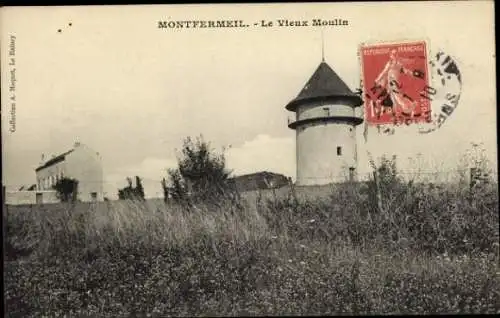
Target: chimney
(42,160)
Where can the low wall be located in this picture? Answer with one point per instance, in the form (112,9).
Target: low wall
(30,197)
(302,192)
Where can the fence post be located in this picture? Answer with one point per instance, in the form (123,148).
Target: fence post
(379,194)
(4,210)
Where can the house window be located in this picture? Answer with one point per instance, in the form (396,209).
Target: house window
(39,198)
(93,196)
(339,151)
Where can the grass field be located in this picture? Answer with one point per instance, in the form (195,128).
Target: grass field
(326,251)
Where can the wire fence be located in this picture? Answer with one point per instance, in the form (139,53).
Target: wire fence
(417,175)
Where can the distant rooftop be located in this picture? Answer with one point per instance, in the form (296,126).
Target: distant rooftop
(260,173)
(259,180)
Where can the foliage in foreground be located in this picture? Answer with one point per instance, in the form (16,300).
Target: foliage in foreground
(424,250)
(222,277)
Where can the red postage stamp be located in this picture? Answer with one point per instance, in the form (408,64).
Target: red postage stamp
(395,83)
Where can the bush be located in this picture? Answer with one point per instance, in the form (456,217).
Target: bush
(201,176)
(130,192)
(67,189)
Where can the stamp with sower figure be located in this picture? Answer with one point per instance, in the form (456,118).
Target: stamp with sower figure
(394,77)
(403,85)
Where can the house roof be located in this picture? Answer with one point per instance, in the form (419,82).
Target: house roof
(54,160)
(325,84)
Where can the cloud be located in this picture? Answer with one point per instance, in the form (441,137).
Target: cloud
(264,153)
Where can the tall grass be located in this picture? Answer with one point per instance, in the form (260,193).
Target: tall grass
(423,250)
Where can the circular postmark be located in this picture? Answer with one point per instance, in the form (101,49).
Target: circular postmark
(444,93)
(402,85)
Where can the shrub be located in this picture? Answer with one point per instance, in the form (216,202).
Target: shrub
(201,175)
(130,192)
(67,189)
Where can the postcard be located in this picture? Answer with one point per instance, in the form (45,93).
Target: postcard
(103,105)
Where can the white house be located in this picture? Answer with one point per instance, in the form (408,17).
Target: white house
(80,163)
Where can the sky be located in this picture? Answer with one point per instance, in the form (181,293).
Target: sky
(132,91)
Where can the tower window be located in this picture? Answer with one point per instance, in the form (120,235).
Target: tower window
(326,111)
(339,151)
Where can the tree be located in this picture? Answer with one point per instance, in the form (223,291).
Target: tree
(132,193)
(67,189)
(201,175)
(139,190)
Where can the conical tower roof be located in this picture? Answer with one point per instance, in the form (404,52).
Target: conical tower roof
(325,84)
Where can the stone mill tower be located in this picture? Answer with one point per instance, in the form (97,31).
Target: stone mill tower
(325,124)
